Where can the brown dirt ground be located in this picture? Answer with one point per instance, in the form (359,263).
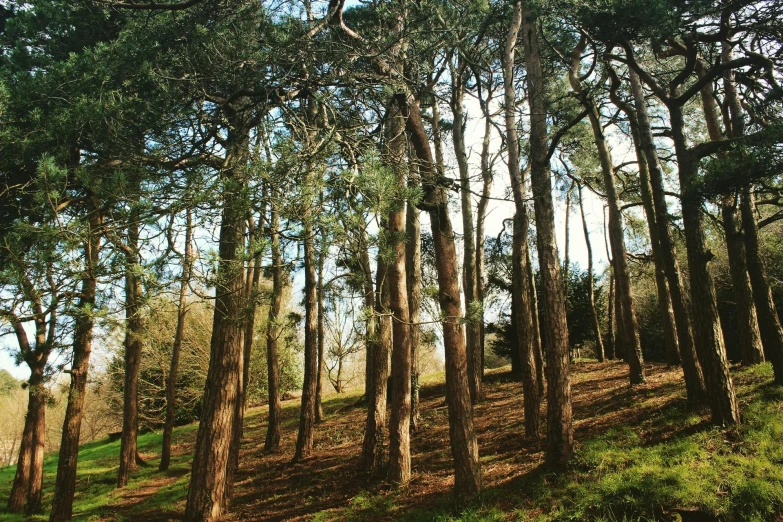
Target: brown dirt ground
(269,487)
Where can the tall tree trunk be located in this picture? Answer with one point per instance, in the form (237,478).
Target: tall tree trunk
(214,460)
(304,440)
(630,327)
(747,322)
(706,321)
(464,447)
(521,309)
(694,378)
(665,307)
(319,410)
(769,321)
(21,485)
(375,427)
(481,215)
(273,332)
(567,246)
(399,423)
(472,327)
(134,326)
(65,483)
(413,272)
(612,315)
(176,350)
(560,431)
(599,343)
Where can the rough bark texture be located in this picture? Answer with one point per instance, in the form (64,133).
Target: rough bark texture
(213,465)
(560,432)
(28,480)
(522,311)
(65,483)
(413,272)
(464,447)
(378,348)
(273,332)
(694,379)
(472,327)
(176,350)
(629,328)
(706,322)
(134,326)
(599,342)
(769,321)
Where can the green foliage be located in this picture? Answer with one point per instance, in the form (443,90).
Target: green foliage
(7,382)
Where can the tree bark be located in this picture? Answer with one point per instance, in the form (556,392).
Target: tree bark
(413,272)
(134,327)
(611,316)
(560,432)
(399,423)
(464,447)
(599,343)
(319,410)
(214,460)
(481,216)
(176,350)
(538,342)
(472,327)
(629,328)
(273,332)
(769,321)
(521,308)
(694,378)
(379,348)
(65,483)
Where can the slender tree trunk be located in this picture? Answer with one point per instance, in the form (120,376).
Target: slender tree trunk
(538,340)
(273,332)
(464,446)
(706,321)
(599,343)
(133,333)
(399,424)
(691,366)
(65,483)
(375,427)
(567,246)
(176,350)
(747,321)
(413,272)
(521,309)
(769,321)
(630,326)
(665,307)
(18,496)
(214,458)
(612,315)
(560,431)
(304,441)
(472,327)
(319,410)
(481,216)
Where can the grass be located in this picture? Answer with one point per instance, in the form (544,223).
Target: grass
(654,461)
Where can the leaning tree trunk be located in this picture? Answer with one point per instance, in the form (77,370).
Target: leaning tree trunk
(472,327)
(413,272)
(538,341)
(462,435)
(522,310)
(21,485)
(599,343)
(629,327)
(769,321)
(691,367)
(213,465)
(706,321)
(560,431)
(747,321)
(133,343)
(273,332)
(65,483)
(171,380)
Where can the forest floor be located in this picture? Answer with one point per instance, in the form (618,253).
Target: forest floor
(640,455)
